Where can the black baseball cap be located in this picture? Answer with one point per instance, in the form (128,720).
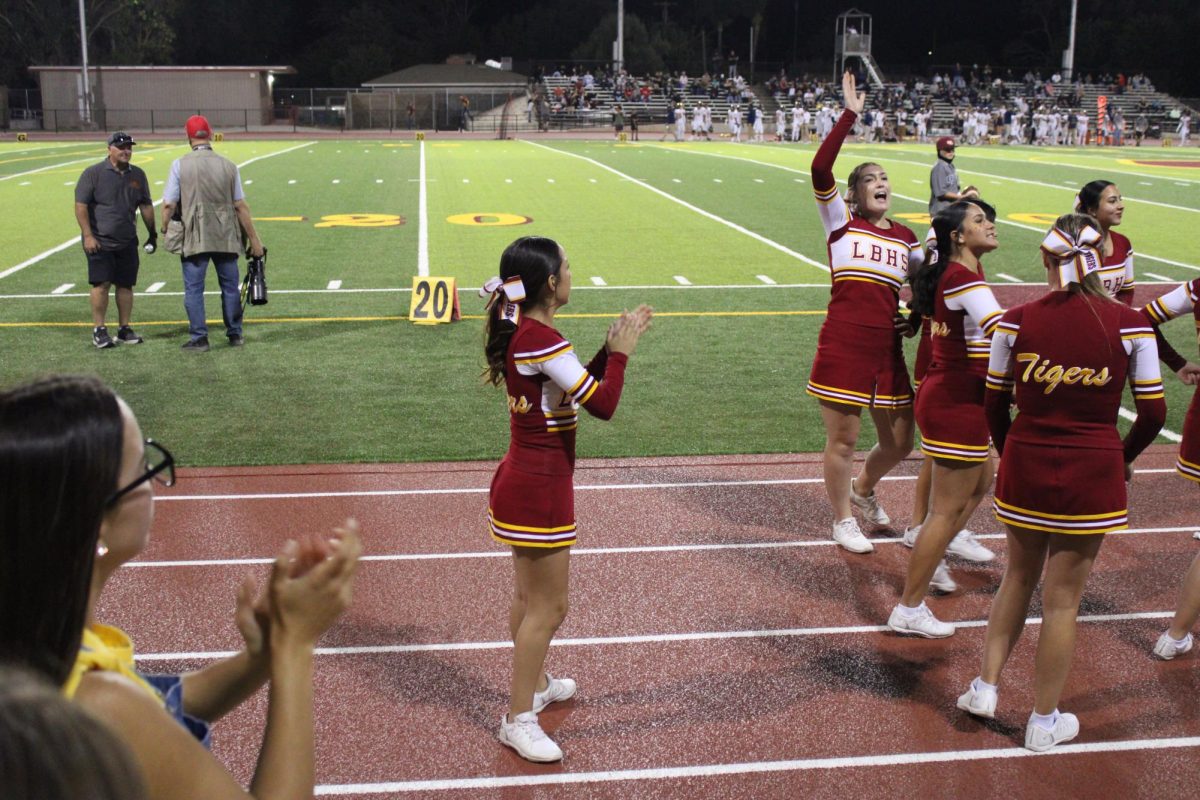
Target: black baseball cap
(120,139)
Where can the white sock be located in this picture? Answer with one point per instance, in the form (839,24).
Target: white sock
(980,685)
(1045,721)
(910,613)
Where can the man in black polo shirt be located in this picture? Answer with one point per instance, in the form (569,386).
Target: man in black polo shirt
(106,197)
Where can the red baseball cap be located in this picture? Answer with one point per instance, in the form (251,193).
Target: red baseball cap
(198,127)
(944,143)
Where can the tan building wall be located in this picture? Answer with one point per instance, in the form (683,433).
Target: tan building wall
(157,98)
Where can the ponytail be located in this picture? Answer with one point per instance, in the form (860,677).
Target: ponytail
(533,259)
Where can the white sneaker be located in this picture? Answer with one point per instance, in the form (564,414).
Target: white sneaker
(924,624)
(965,545)
(525,736)
(557,690)
(1040,740)
(910,536)
(979,704)
(869,508)
(941,579)
(1167,648)
(847,533)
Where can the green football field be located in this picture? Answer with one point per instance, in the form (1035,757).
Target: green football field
(722,239)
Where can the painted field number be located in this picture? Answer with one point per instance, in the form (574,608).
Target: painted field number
(434,300)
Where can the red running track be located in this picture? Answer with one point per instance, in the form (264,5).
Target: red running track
(723,646)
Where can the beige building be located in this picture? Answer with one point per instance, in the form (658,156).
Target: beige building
(157,98)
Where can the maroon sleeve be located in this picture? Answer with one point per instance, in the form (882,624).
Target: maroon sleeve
(996,407)
(1151,414)
(827,153)
(603,402)
(598,364)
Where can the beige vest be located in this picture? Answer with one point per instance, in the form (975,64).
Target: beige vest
(210,224)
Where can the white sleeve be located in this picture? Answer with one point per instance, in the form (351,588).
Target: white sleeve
(1177,302)
(564,371)
(979,303)
(1000,376)
(1145,378)
(1128,270)
(834,212)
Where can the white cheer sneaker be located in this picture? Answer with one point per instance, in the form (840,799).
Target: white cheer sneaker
(941,580)
(1040,740)
(557,690)
(1167,648)
(525,736)
(966,546)
(869,507)
(847,533)
(923,623)
(979,703)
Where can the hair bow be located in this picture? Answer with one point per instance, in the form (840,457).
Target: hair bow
(513,291)
(1077,256)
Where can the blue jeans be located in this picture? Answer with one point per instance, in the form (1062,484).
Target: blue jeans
(194,269)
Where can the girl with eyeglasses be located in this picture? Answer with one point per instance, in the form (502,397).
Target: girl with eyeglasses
(77,505)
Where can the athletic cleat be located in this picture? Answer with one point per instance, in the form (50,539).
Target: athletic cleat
(941,579)
(101,339)
(525,736)
(125,335)
(847,533)
(1167,648)
(966,546)
(557,690)
(923,624)
(978,703)
(869,508)
(1040,740)
(910,536)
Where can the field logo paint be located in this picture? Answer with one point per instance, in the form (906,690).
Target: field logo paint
(489,219)
(434,300)
(1034,219)
(919,219)
(360,221)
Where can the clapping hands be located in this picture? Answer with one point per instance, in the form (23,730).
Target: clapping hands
(625,331)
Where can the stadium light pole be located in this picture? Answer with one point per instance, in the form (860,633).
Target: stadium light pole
(1069,55)
(620,35)
(87,88)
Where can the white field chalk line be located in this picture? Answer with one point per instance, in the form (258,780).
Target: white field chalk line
(653,638)
(334,285)
(62,289)
(78,239)
(603,551)
(578,487)
(155,287)
(423,217)
(598,281)
(913,199)
(1169,435)
(708,214)
(98,157)
(1008,277)
(748,767)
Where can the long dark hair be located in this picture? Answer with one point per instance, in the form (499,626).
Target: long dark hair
(945,223)
(53,748)
(1089,198)
(534,259)
(60,456)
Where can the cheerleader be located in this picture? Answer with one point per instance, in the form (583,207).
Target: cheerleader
(1063,466)
(530,505)
(952,292)
(860,361)
(1102,201)
(1177,639)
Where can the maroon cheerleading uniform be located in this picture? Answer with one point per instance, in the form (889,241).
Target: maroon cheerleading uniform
(1181,300)
(860,359)
(531,502)
(1116,269)
(1062,461)
(949,407)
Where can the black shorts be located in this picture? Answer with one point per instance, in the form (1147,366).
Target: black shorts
(114,266)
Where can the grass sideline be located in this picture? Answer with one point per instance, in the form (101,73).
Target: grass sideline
(374,388)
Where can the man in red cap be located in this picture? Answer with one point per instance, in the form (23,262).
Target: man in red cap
(204,193)
(943,179)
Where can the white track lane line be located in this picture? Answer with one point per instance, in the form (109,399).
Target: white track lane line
(651,638)
(594,551)
(423,220)
(78,239)
(919,201)
(747,768)
(707,214)
(578,487)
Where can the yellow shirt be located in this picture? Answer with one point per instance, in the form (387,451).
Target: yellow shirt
(108,649)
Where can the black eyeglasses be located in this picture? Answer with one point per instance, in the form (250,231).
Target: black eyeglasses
(160,465)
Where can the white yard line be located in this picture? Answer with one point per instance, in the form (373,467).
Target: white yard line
(1169,435)
(78,239)
(682,281)
(767,280)
(155,287)
(423,220)
(62,289)
(334,286)
(598,281)
(707,214)
(1156,276)
(1008,277)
